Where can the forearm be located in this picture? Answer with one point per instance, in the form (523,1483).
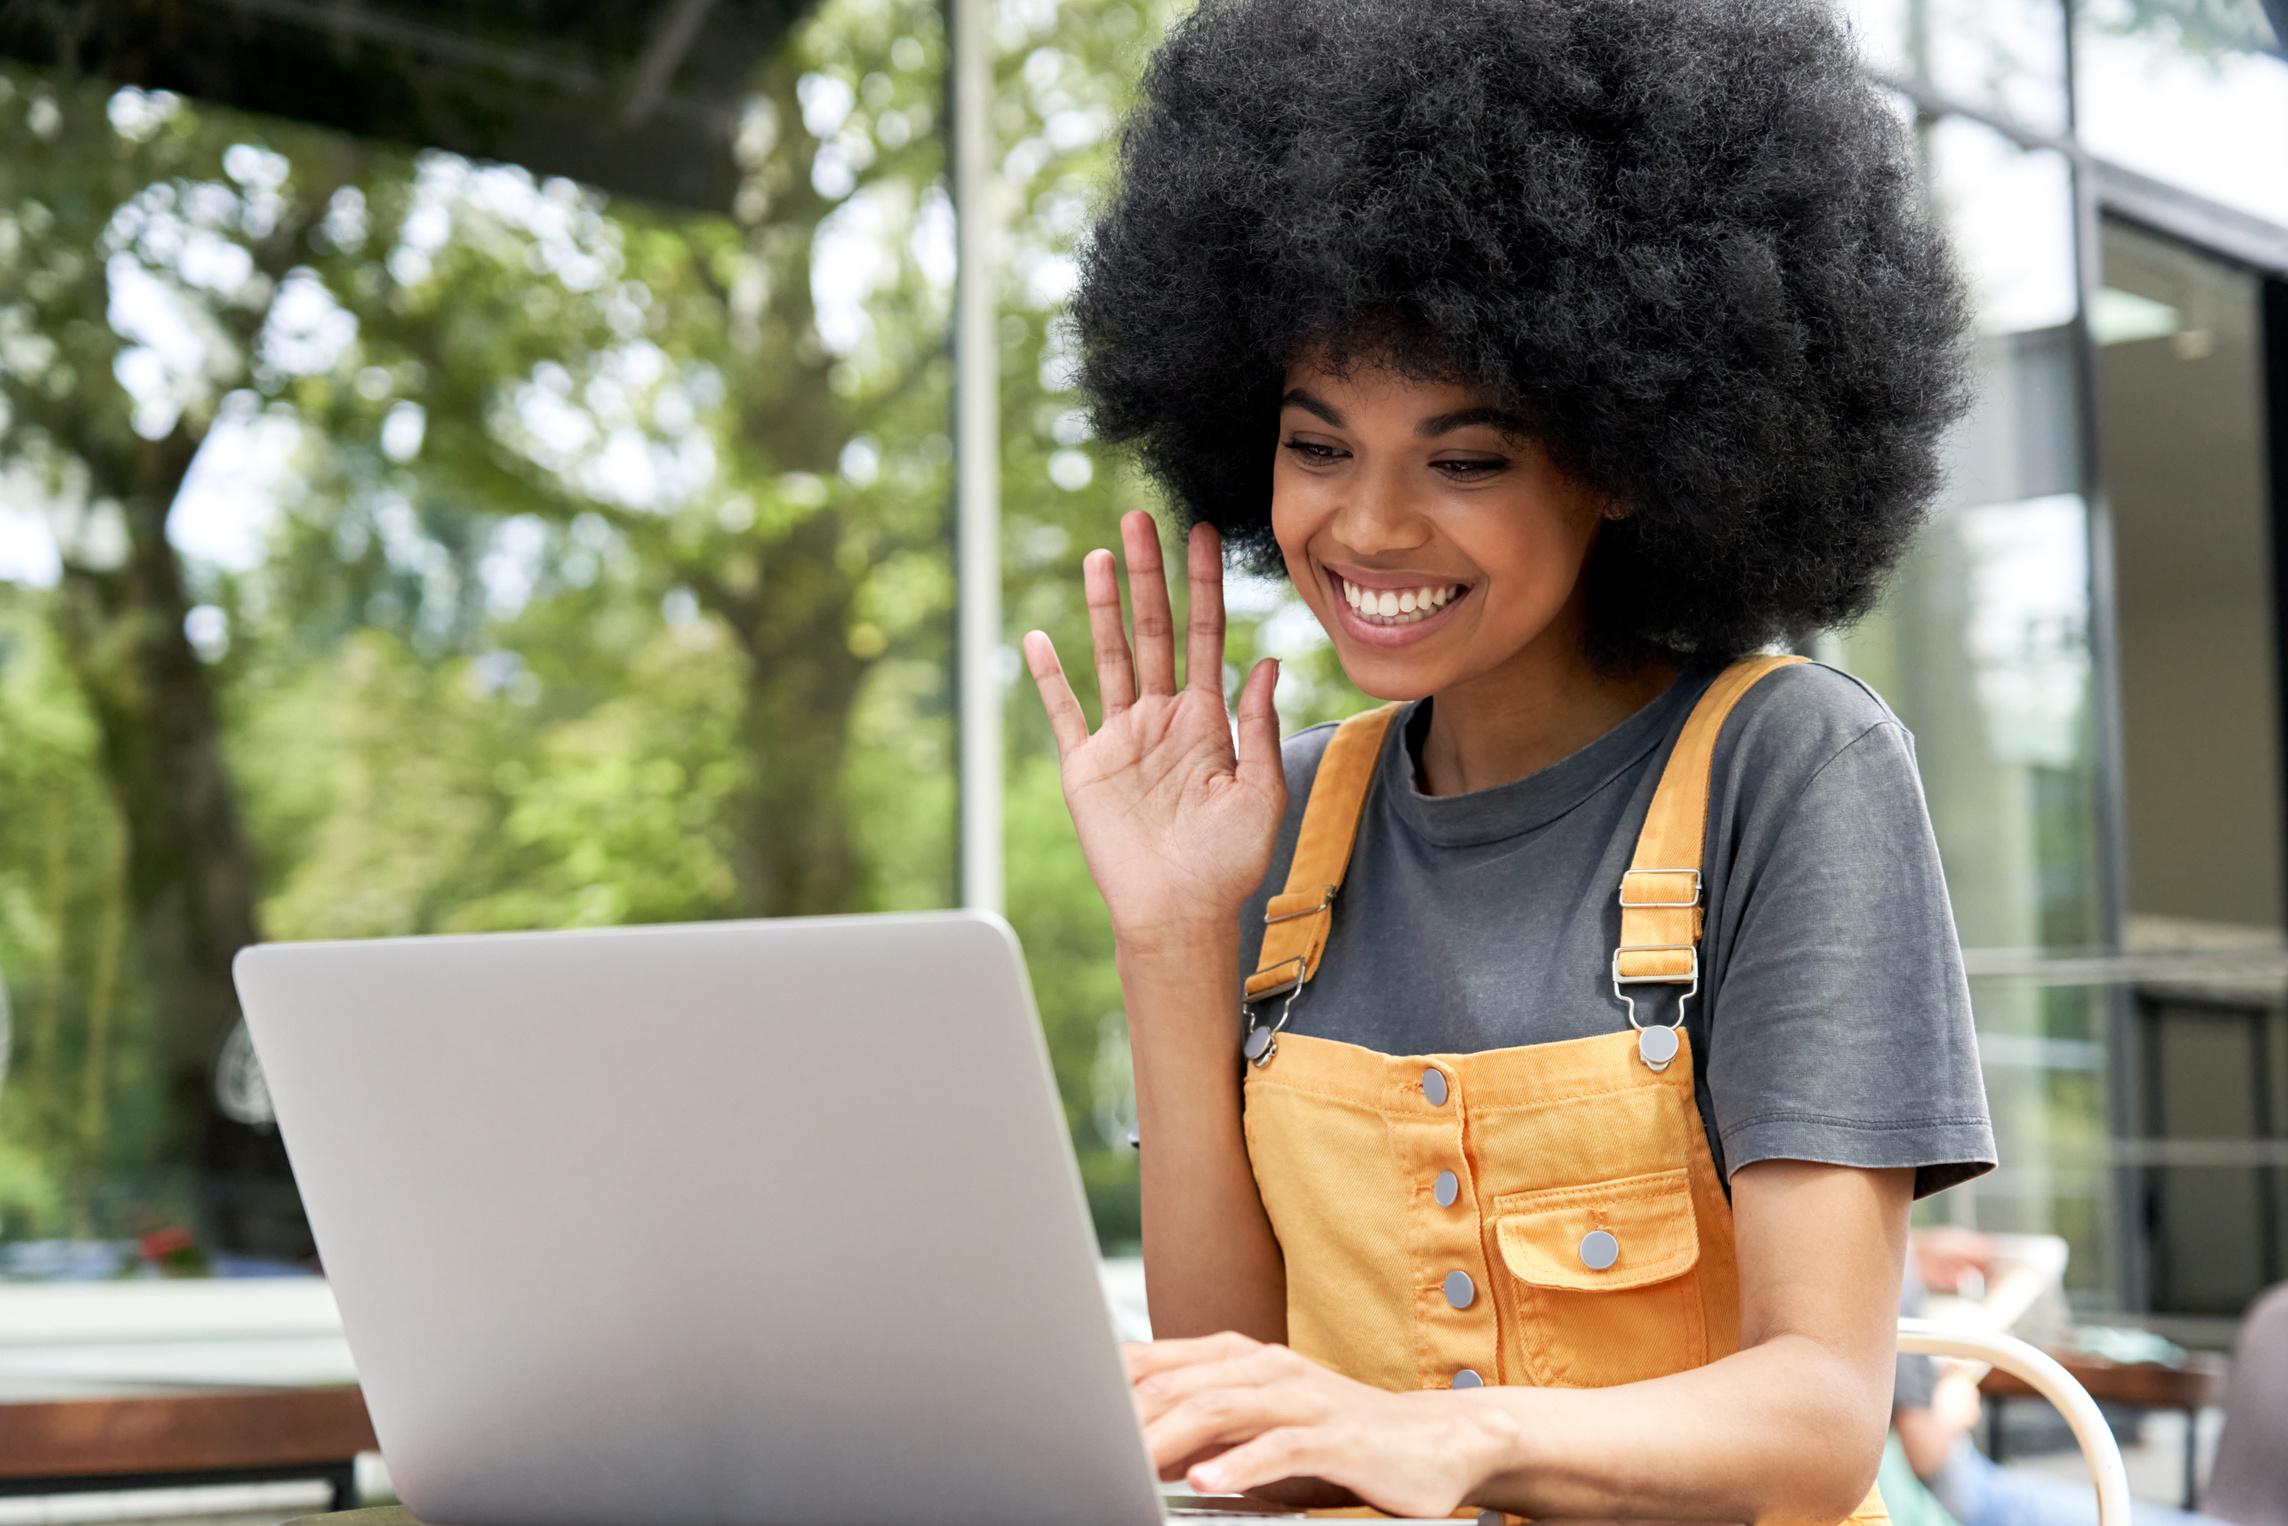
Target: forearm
(1211,1261)
(1787,1431)
(1789,1428)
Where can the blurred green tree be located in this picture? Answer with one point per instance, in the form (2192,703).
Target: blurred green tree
(564,561)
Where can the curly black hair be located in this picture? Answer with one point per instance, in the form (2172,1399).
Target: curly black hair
(1683,238)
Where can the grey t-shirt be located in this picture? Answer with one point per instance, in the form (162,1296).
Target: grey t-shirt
(1833,1023)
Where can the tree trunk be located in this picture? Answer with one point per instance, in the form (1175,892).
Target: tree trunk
(797,857)
(190,871)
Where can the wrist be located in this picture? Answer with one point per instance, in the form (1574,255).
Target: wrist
(1180,940)
(1498,1443)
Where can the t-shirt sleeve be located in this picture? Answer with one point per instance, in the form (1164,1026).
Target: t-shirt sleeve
(1840,1027)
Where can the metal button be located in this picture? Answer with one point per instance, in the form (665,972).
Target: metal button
(1434,1086)
(1657,1046)
(1599,1250)
(1491,1518)
(1258,1044)
(1461,1291)
(1467,1379)
(1448,1187)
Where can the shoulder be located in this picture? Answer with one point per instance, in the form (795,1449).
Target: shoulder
(1799,719)
(1302,753)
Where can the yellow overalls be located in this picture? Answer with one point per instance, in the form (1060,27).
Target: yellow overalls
(1547,1214)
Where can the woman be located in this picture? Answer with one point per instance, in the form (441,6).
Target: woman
(1602,1012)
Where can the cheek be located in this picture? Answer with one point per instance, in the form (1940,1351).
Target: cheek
(1295,518)
(1529,546)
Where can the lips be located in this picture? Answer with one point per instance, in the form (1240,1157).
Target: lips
(1405,612)
(1398,606)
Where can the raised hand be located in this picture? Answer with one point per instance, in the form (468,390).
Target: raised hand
(1176,822)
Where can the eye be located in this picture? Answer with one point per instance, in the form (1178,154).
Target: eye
(1312,452)
(1471,468)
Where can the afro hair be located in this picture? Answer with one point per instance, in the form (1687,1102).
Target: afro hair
(1682,238)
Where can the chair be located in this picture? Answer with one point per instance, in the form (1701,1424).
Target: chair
(2249,1484)
(2054,1383)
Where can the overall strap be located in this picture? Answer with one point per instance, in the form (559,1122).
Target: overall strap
(1661,908)
(1297,920)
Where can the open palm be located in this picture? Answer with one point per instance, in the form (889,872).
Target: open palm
(1175,820)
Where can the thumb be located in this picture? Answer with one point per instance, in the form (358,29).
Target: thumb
(1260,766)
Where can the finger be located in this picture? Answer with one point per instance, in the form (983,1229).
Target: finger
(1115,674)
(1148,592)
(1162,1392)
(1172,1470)
(1280,1451)
(1148,1357)
(1067,722)
(1260,764)
(1223,1417)
(1203,613)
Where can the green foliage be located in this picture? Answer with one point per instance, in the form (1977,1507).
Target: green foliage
(2208,28)
(603,571)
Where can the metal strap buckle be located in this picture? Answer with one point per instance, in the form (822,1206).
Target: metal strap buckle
(1261,1043)
(1325,901)
(1690,979)
(1302,973)
(1659,905)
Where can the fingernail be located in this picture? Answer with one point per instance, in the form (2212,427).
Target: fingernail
(1207,1476)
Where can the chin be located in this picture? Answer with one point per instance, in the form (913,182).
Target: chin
(1378,677)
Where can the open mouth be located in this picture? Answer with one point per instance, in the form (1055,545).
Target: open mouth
(1398,606)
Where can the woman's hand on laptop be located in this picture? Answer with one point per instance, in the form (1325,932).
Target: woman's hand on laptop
(1232,1415)
(1175,819)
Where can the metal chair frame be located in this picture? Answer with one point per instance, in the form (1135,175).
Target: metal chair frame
(1923,1338)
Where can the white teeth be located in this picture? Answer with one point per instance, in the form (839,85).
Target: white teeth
(1390,606)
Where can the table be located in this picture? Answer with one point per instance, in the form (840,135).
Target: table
(169,1440)
(2190,1387)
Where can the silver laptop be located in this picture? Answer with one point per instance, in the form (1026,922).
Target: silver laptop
(742,1224)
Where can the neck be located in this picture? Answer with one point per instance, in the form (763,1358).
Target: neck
(1541,705)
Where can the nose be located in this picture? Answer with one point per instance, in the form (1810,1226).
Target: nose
(1379,514)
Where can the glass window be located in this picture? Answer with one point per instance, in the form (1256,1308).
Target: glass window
(2190,93)
(2182,428)
(2007,56)
(1983,648)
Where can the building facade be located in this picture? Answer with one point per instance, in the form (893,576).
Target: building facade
(2087,642)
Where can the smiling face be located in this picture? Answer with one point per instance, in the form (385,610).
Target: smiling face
(1436,542)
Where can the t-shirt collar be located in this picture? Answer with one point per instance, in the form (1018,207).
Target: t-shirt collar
(1541,797)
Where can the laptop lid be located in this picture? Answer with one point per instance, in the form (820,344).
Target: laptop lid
(742,1223)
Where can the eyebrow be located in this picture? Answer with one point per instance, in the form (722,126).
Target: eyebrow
(1297,398)
(1496,418)
(1429,429)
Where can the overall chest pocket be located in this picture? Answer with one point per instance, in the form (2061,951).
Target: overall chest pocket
(1603,1277)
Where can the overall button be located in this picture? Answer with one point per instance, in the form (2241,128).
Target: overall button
(1461,1292)
(1599,1250)
(1434,1086)
(1491,1518)
(1467,1379)
(1448,1187)
(1657,1046)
